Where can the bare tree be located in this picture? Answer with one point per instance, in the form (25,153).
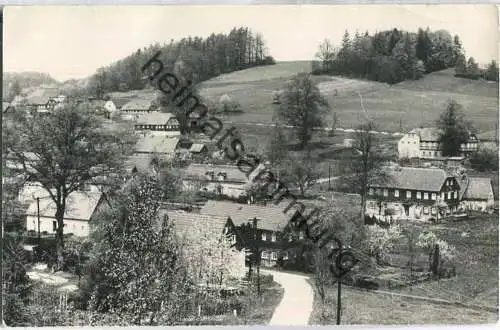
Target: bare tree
(326,54)
(301,171)
(367,167)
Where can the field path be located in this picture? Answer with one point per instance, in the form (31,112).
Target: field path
(348,130)
(297,304)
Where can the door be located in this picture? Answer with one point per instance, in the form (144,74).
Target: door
(407,210)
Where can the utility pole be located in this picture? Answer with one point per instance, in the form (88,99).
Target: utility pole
(329,175)
(38,216)
(342,262)
(256,253)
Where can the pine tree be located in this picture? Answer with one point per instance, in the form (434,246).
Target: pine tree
(454,129)
(473,69)
(492,71)
(461,66)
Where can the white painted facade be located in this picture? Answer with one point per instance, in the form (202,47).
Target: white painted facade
(409,146)
(80,228)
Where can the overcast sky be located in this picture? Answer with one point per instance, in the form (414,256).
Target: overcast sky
(73,41)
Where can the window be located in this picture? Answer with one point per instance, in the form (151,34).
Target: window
(370,191)
(434,196)
(285,255)
(386,192)
(290,238)
(408,194)
(54,225)
(433,210)
(455,194)
(419,195)
(233,239)
(426,210)
(265,255)
(449,194)
(396,193)
(442,195)
(274,256)
(378,192)
(301,235)
(273,237)
(263,236)
(426,195)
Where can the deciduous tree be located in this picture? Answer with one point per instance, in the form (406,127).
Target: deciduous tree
(65,151)
(137,259)
(303,107)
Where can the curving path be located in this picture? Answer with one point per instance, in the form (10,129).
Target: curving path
(297,304)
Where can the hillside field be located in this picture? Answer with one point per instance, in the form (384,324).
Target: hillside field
(413,103)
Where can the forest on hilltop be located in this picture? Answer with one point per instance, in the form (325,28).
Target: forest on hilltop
(192,58)
(395,55)
(15,82)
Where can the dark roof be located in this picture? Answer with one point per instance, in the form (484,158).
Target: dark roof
(155,118)
(183,221)
(271,216)
(478,188)
(412,178)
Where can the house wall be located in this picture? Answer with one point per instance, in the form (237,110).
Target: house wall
(79,228)
(415,211)
(406,204)
(408,146)
(233,190)
(481,205)
(491,145)
(110,106)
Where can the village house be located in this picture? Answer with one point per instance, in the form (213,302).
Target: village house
(270,231)
(153,144)
(477,194)
(424,143)
(138,107)
(198,149)
(226,180)
(413,193)
(184,223)
(103,107)
(165,123)
(488,140)
(119,102)
(44,100)
(141,164)
(7,107)
(81,208)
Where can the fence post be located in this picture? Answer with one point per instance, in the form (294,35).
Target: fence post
(199,310)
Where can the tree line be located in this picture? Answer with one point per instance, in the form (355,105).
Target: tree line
(193,58)
(389,56)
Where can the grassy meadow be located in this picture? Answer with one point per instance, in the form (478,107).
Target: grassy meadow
(413,103)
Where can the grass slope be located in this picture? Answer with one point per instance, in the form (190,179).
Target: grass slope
(413,102)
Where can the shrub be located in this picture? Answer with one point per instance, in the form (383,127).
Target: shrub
(484,160)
